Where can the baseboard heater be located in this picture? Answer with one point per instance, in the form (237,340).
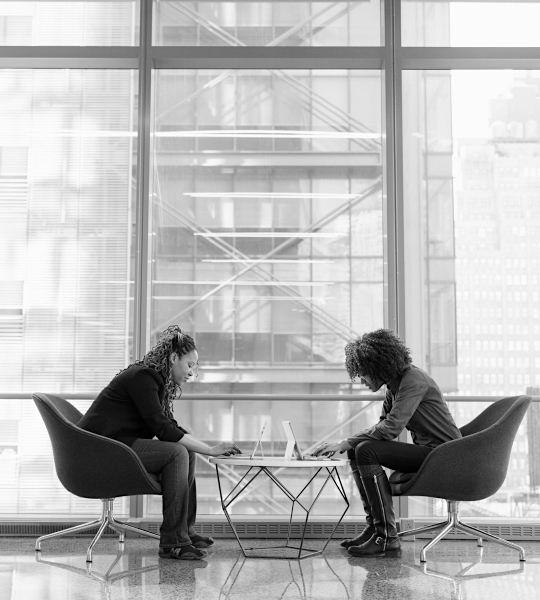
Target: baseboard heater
(274,529)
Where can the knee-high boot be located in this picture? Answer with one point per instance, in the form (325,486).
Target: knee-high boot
(369,530)
(385,541)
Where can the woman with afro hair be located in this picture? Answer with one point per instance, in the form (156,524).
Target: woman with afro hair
(414,402)
(136,409)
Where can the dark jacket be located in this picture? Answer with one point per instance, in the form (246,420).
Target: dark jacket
(131,407)
(413,401)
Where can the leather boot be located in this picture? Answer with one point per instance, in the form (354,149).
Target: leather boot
(385,541)
(369,530)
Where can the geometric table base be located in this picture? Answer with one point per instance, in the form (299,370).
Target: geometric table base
(260,467)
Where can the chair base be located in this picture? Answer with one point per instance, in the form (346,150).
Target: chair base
(453,524)
(107,520)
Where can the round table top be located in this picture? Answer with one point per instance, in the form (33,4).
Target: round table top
(278,461)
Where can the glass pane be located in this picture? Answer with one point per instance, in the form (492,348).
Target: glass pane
(215,421)
(475,24)
(267,221)
(69,23)
(272,23)
(66,160)
(472,178)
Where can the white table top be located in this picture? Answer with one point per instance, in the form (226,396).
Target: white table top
(278,461)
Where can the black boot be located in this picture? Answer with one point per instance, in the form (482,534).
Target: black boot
(385,541)
(369,529)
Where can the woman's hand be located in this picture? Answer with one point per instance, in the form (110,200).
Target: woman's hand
(225,449)
(330,448)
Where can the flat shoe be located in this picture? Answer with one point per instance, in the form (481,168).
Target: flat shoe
(182,553)
(200,541)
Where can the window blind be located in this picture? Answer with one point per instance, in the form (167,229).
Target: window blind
(66,159)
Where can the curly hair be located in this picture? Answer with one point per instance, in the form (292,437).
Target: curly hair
(173,339)
(380,355)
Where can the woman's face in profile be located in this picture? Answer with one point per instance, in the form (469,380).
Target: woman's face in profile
(372,384)
(184,366)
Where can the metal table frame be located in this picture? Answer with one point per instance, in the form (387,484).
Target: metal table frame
(332,474)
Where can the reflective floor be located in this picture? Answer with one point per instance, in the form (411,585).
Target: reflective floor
(455,570)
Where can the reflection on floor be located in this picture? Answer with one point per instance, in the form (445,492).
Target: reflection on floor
(455,570)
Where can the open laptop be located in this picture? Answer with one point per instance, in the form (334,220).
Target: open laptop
(293,451)
(243,456)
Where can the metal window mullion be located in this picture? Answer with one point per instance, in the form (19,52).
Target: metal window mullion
(142,208)
(393,148)
(394,296)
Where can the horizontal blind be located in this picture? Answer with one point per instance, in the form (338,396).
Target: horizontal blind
(29,486)
(66,159)
(69,23)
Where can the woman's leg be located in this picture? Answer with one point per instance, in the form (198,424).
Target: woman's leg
(176,465)
(369,530)
(192,495)
(370,457)
(398,456)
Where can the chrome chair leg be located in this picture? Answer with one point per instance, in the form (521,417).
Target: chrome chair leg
(436,539)
(107,520)
(125,528)
(99,533)
(477,532)
(424,529)
(455,524)
(70,530)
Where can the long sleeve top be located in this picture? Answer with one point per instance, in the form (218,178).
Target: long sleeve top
(413,401)
(131,407)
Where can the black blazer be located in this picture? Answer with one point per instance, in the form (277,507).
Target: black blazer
(131,407)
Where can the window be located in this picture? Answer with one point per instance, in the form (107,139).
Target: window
(255,189)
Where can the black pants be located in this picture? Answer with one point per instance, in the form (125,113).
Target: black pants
(397,456)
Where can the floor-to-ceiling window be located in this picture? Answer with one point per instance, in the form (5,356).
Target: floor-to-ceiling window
(277,178)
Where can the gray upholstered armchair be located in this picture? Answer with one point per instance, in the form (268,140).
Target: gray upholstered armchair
(470,468)
(92,466)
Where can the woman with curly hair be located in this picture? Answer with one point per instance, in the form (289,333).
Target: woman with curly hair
(135,409)
(414,402)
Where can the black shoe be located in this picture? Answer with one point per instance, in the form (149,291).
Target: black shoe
(378,547)
(359,539)
(200,541)
(182,553)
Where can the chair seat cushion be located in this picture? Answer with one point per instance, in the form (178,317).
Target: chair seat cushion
(397,480)
(398,477)
(156,478)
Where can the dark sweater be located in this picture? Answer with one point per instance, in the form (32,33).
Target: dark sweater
(130,407)
(413,401)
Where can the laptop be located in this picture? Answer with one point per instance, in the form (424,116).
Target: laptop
(293,450)
(243,456)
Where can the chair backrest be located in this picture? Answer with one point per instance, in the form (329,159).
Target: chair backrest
(66,409)
(489,416)
(87,464)
(473,467)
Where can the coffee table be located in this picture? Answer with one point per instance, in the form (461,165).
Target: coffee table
(270,466)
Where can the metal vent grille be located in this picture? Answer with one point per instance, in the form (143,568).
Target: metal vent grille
(270,530)
(508,532)
(37,529)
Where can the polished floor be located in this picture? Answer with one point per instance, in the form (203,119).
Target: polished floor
(455,570)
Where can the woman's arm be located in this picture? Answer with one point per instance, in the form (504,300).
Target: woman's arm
(195,445)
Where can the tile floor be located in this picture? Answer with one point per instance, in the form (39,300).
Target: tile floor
(455,570)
